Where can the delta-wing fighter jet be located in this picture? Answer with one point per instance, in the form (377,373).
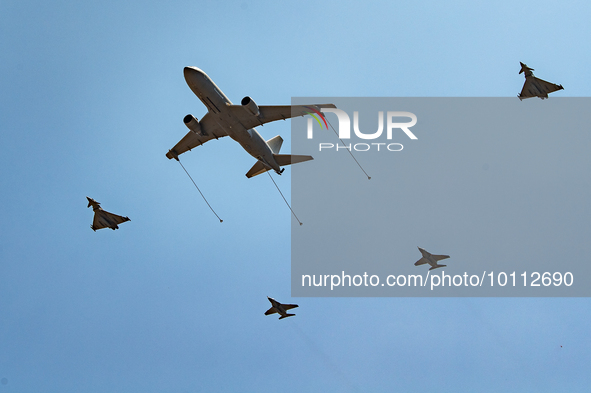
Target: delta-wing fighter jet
(279,308)
(238,122)
(535,87)
(104,219)
(431,259)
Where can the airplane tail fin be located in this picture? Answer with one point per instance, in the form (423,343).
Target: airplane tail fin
(526,69)
(286,315)
(275,144)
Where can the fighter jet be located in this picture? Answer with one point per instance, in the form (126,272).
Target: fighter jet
(104,219)
(238,122)
(280,308)
(535,87)
(431,259)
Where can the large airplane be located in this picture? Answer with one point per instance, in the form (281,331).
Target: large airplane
(535,87)
(104,219)
(279,308)
(431,259)
(238,122)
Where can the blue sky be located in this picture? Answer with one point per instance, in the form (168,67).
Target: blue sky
(93,96)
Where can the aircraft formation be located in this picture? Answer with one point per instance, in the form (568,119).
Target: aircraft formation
(239,121)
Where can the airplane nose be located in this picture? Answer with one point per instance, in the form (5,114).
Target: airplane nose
(193,76)
(188,72)
(192,72)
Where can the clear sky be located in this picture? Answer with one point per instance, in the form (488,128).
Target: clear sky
(92,97)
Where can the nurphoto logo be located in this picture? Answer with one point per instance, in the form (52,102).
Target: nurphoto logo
(392,123)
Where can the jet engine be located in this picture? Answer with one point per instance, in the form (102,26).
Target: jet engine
(250,106)
(193,125)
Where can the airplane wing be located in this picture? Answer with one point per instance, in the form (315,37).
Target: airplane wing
(105,219)
(424,252)
(269,113)
(270,311)
(525,91)
(421,261)
(289,306)
(97,223)
(440,257)
(210,129)
(548,87)
(536,87)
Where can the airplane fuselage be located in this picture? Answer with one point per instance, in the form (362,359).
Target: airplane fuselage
(432,262)
(217,102)
(280,310)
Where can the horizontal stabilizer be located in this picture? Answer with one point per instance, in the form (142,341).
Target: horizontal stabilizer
(286,315)
(288,159)
(281,159)
(257,169)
